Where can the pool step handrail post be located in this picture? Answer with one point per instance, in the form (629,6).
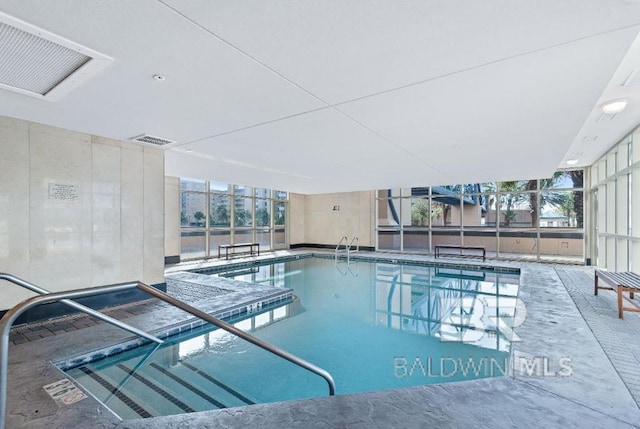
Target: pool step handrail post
(344,238)
(350,245)
(12,315)
(90,311)
(245,336)
(131,373)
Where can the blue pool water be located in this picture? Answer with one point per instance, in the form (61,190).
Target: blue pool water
(373,326)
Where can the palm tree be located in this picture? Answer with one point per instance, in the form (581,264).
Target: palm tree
(554,199)
(577,177)
(511,195)
(567,208)
(222,214)
(241,217)
(262,217)
(509,215)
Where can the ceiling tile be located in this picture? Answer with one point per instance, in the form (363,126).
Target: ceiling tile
(341,50)
(334,96)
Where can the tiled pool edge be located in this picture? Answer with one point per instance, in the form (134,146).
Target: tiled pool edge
(242,308)
(238,310)
(359,256)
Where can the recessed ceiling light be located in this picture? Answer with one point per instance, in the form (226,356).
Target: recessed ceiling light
(614,106)
(188,150)
(572,161)
(158,77)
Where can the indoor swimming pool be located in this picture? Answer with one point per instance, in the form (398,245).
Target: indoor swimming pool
(372,325)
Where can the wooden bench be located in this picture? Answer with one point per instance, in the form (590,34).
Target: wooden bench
(226,248)
(460,249)
(620,282)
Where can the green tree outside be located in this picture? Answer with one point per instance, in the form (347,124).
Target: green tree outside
(199,216)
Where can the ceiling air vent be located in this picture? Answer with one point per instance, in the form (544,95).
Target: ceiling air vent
(41,64)
(146,138)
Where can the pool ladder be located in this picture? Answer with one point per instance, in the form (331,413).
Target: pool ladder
(347,247)
(46,297)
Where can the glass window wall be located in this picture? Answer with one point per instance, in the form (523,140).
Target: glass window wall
(527,219)
(235,214)
(615,193)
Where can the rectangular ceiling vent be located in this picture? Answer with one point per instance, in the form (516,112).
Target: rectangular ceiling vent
(146,138)
(41,64)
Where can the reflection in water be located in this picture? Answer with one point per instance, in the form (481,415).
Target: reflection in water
(468,306)
(371,325)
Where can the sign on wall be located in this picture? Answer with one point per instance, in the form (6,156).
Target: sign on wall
(63,191)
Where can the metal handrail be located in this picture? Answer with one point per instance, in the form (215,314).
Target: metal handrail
(344,238)
(11,315)
(247,337)
(15,312)
(90,311)
(351,244)
(131,373)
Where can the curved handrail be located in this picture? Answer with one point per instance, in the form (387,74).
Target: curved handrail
(11,315)
(247,337)
(349,248)
(344,238)
(351,244)
(15,312)
(90,311)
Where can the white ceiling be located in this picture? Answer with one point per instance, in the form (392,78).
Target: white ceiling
(340,95)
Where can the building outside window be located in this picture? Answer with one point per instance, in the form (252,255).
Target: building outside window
(539,219)
(214,213)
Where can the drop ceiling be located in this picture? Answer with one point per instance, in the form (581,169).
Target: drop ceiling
(344,95)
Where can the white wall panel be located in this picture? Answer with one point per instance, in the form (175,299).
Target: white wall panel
(14,205)
(105,249)
(78,210)
(153,213)
(132,212)
(297,218)
(60,168)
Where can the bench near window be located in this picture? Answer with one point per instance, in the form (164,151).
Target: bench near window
(620,282)
(461,251)
(251,248)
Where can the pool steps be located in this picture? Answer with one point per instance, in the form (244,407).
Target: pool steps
(135,394)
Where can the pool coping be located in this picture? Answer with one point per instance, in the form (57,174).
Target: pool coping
(244,304)
(593,394)
(214,266)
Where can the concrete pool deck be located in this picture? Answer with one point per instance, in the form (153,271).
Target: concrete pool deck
(563,321)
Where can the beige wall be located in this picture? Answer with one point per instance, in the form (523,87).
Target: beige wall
(77,210)
(296,218)
(171,216)
(312,219)
(323,225)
